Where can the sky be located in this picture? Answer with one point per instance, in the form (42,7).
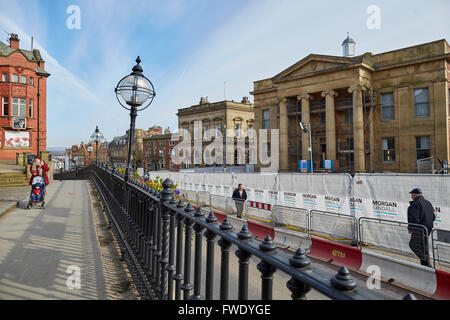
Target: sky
(193,48)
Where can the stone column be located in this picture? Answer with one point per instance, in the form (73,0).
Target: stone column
(284,163)
(330,123)
(307,120)
(45,155)
(358,128)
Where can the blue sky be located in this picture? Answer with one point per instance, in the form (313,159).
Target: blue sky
(190,48)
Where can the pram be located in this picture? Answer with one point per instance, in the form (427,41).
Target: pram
(37,194)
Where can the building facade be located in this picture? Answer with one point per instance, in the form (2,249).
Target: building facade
(83,154)
(158,152)
(207,121)
(118,147)
(23,100)
(368,113)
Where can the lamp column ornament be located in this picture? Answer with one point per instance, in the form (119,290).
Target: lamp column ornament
(138,93)
(97,137)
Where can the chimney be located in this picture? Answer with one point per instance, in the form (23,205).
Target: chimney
(14,41)
(167,131)
(245,100)
(204,100)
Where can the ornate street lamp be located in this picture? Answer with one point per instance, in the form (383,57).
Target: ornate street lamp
(97,137)
(138,93)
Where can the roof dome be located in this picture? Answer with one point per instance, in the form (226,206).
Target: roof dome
(348,40)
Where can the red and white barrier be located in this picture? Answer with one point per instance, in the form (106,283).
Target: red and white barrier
(260,205)
(442,285)
(415,277)
(260,231)
(336,253)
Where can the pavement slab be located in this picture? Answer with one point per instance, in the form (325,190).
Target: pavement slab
(42,250)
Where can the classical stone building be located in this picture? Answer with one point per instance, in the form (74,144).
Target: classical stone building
(373,112)
(225,118)
(23,88)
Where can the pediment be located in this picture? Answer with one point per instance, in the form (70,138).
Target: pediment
(313,63)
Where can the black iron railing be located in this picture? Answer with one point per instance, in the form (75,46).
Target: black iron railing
(154,233)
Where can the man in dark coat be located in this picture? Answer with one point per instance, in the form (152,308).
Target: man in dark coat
(420,212)
(239,197)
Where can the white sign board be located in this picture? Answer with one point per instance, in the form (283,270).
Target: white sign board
(17,139)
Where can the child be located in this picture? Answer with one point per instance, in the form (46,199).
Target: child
(36,195)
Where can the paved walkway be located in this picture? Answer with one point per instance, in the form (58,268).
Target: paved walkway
(40,249)
(9,196)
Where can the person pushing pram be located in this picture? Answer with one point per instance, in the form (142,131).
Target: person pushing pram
(37,194)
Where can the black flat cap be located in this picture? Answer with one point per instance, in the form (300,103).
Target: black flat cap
(416,191)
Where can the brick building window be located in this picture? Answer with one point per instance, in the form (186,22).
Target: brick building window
(387,106)
(30,108)
(388,150)
(421,103)
(423,147)
(23,79)
(15,78)
(31,81)
(19,107)
(5,77)
(5,106)
(266,119)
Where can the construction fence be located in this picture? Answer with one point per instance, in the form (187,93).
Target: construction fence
(368,209)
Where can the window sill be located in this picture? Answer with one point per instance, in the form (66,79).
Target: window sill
(16,148)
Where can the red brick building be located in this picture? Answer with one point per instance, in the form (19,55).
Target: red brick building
(158,151)
(22,75)
(83,154)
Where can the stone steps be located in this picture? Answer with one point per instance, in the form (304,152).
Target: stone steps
(13,179)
